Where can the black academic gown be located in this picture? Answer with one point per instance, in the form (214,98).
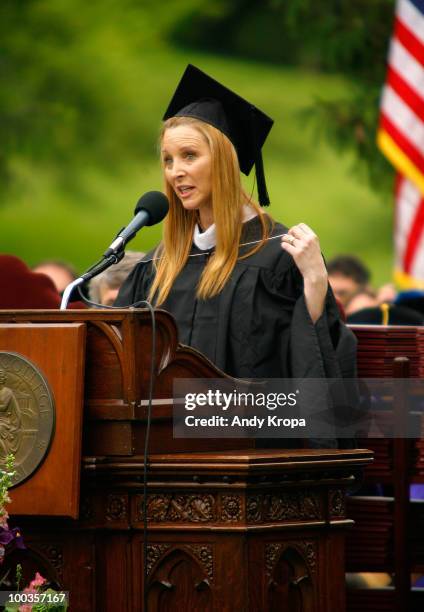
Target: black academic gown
(259,325)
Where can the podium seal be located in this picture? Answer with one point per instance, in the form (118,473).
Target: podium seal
(27,415)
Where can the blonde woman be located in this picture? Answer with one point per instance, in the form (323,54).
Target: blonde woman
(250,294)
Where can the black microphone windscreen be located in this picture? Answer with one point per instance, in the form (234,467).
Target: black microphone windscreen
(156,204)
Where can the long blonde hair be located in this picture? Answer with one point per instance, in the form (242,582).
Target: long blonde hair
(228,198)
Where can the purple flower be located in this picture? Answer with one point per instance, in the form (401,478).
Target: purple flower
(11,536)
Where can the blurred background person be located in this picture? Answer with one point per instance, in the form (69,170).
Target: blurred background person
(350,280)
(348,276)
(62,273)
(104,288)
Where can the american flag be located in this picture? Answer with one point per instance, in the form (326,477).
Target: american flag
(401,138)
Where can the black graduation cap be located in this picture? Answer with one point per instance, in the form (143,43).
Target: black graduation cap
(200,96)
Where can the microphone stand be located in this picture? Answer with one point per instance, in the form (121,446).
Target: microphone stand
(99,267)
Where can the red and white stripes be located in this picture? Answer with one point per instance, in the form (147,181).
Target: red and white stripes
(409,234)
(401,137)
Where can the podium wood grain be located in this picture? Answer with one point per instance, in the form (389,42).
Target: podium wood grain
(58,351)
(231,528)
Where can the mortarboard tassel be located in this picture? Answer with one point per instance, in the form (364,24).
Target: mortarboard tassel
(263,196)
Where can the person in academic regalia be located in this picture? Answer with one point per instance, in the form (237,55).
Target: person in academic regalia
(249,293)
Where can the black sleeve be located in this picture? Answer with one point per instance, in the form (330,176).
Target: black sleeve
(137,285)
(324,350)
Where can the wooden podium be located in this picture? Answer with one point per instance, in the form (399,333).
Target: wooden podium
(231,527)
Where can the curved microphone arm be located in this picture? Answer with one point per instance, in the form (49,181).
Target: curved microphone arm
(68,290)
(99,267)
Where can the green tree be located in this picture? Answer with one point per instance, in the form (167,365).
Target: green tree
(65,97)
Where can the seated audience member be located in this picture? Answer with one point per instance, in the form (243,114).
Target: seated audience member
(60,272)
(348,276)
(386,314)
(21,288)
(104,288)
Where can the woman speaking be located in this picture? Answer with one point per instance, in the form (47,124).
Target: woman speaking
(250,294)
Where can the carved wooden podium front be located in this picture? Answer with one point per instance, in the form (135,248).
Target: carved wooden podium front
(231,527)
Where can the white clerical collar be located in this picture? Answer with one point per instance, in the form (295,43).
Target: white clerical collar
(207,240)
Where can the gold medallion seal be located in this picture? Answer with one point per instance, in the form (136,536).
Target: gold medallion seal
(27,414)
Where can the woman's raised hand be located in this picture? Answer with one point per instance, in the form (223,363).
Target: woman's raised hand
(302,244)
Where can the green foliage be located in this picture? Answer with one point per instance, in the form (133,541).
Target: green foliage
(6,481)
(83,86)
(71,87)
(349,123)
(18,576)
(338,35)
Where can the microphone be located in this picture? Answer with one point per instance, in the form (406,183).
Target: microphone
(151,208)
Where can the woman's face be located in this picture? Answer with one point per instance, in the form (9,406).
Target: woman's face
(187,162)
